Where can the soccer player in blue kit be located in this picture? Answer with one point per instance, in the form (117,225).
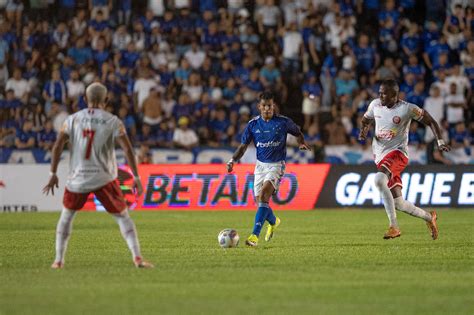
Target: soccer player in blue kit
(268,132)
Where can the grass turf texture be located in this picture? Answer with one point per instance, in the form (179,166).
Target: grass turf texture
(320,262)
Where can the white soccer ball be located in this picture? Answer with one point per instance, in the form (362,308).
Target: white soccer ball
(228,238)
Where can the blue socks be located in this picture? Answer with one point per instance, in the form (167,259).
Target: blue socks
(264,212)
(271,217)
(260,217)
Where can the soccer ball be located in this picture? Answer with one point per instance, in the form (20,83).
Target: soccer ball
(228,238)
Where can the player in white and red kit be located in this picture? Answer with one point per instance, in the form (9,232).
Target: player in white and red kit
(92,133)
(392,118)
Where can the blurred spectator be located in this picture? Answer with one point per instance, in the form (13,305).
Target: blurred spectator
(14,10)
(195,55)
(152,112)
(414,135)
(144,155)
(463,86)
(19,86)
(55,89)
(292,49)
(434,104)
(366,56)
(80,53)
(121,38)
(311,100)
(345,83)
(142,87)
(100,8)
(75,87)
(460,137)
(184,137)
(313,138)
(220,127)
(414,67)
(25,137)
(128,121)
(411,41)
(388,70)
(268,17)
(47,136)
(456,103)
(183,108)
(193,87)
(61,36)
(335,131)
(417,96)
(146,136)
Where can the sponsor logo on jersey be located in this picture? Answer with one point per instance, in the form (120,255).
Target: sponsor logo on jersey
(386,134)
(268,144)
(396,120)
(258,131)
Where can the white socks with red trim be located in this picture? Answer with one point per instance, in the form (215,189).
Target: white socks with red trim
(129,232)
(411,209)
(63,232)
(381,181)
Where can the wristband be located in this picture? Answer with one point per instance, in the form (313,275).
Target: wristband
(231,161)
(52,174)
(136,177)
(440,142)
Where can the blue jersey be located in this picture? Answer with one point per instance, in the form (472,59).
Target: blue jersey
(269,137)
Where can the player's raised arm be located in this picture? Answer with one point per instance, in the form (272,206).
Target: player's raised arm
(127,148)
(428,120)
(56,151)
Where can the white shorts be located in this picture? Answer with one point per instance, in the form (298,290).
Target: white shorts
(272,172)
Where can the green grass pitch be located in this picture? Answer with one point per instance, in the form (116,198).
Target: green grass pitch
(320,262)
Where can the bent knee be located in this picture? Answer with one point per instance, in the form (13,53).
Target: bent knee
(380,180)
(399,203)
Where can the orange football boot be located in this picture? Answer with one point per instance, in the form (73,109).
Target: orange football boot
(392,232)
(432,226)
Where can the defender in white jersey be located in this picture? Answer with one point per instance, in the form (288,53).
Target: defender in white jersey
(92,134)
(392,118)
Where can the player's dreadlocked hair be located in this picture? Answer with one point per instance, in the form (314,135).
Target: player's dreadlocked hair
(267,95)
(391,83)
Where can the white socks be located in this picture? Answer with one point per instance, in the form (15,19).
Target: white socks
(411,209)
(63,231)
(398,203)
(129,232)
(381,181)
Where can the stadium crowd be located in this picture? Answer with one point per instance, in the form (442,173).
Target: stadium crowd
(185,73)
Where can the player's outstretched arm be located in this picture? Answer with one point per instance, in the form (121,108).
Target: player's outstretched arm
(429,121)
(127,148)
(237,156)
(302,145)
(58,148)
(364,129)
